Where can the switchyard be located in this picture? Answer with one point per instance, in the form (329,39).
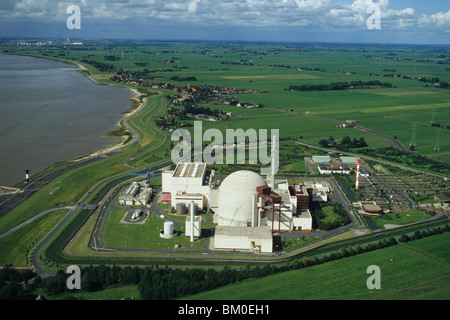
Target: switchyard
(400,189)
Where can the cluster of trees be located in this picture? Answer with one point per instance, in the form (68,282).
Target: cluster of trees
(239,63)
(180,78)
(388,153)
(345,144)
(189,108)
(111,58)
(438,125)
(298,68)
(340,86)
(164,283)
(348,143)
(326,224)
(436,80)
(155,282)
(11,280)
(167,283)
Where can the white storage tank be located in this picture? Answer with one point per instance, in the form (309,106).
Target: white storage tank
(168,232)
(168,228)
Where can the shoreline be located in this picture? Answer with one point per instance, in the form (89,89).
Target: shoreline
(121,123)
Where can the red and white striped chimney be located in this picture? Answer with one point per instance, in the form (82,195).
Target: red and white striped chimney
(358,162)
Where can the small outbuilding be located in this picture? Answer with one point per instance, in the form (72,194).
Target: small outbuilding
(372,209)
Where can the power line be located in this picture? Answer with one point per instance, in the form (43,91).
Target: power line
(437,145)
(413,138)
(433,114)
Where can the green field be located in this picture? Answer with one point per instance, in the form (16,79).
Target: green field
(145,236)
(273,67)
(305,117)
(416,270)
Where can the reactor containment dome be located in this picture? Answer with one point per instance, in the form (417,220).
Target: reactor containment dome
(236,193)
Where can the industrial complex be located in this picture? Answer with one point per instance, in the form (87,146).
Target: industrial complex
(246,211)
(248,208)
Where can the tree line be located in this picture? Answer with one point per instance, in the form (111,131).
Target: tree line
(165,283)
(345,144)
(340,86)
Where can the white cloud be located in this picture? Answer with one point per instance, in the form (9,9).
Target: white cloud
(355,15)
(334,14)
(192,7)
(440,20)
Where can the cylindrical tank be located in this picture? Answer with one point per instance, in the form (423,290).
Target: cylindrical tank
(192,213)
(181,208)
(195,208)
(168,228)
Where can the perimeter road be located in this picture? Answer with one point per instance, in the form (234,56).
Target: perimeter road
(27,222)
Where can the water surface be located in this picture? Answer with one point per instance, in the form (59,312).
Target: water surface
(50,112)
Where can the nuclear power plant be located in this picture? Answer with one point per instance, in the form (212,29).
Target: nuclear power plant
(249,209)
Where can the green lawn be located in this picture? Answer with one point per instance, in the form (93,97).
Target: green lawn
(144,236)
(417,270)
(15,248)
(113,293)
(400,218)
(153,142)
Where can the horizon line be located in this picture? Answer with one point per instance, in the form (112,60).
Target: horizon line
(226,41)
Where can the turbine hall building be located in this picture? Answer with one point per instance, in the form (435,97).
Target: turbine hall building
(188,182)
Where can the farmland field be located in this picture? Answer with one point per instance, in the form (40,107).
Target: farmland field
(263,77)
(416,270)
(413,71)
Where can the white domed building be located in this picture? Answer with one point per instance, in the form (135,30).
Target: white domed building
(236,206)
(237,214)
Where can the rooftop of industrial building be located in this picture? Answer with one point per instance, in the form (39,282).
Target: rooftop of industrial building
(321,159)
(189,170)
(372,208)
(349,160)
(303,213)
(262,232)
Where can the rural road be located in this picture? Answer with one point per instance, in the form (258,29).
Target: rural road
(27,222)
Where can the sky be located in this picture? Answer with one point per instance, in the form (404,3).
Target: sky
(387,21)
